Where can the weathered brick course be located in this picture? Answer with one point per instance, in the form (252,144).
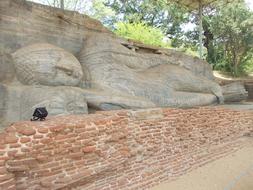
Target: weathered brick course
(117,149)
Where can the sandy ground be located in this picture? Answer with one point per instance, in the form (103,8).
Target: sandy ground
(233,172)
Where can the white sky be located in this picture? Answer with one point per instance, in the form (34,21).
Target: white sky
(250,3)
(190,26)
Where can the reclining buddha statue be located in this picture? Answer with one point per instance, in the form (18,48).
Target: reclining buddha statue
(114,68)
(92,70)
(108,76)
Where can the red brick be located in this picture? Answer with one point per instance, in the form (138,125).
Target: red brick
(40,146)
(10,129)
(89,149)
(80,130)
(13,187)
(2,146)
(60,137)
(16,145)
(26,130)
(65,180)
(4,159)
(12,153)
(2,163)
(43,158)
(3,170)
(19,168)
(56,128)
(8,185)
(38,136)
(175,131)
(50,164)
(20,156)
(15,162)
(76,156)
(23,149)
(25,139)
(122,182)
(81,174)
(42,130)
(11,138)
(6,177)
(46,140)
(99,122)
(46,183)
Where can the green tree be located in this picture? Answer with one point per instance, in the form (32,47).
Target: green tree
(74,5)
(95,9)
(232,30)
(142,32)
(103,13)
(159,14)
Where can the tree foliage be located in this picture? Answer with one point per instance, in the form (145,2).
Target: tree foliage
(227,28)
(82,6)
(158,13)
(231,27)
(143,33)
(94,8)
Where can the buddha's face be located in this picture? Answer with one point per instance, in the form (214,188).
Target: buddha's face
(46,64)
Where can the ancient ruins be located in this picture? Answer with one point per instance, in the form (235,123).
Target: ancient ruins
(73,65)
(70,63)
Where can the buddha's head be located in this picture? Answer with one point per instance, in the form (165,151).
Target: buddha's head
(46,64)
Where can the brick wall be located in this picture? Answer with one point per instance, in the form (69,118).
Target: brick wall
(117,149)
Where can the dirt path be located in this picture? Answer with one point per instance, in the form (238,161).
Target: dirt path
(233,172)
(226,76)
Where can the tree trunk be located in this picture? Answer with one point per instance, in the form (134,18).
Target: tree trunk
(62,4)
(235,64)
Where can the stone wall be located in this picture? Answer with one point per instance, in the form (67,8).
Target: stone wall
(23,23)
(117,149)
(249,88)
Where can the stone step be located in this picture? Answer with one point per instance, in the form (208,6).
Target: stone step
(249,88)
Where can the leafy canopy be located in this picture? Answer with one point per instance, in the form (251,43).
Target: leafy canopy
(228,29)
(142,32)
(156,13)
(232,29)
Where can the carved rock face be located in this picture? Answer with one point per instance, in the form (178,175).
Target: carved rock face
(7,70)
(19,102)
(46,64)
(58,101)
(114,68)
